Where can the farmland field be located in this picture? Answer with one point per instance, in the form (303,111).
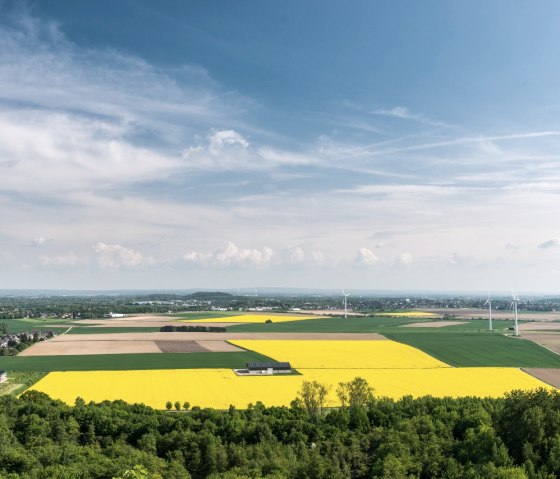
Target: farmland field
(21,325)
(326,325)
(253,318)
(413,360)
(219,388)
(201,315)
(367,324)
(102,330)
(479,349)
(343,354)
(122,362)
(409,314)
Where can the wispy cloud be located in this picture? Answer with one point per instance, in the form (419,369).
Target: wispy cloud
(404,113)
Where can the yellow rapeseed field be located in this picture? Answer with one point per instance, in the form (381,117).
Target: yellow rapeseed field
(252,318)
(219,388)
(342,354)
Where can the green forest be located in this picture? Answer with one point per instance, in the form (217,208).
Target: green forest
(517,436)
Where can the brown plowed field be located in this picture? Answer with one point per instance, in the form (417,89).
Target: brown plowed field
(105,346)
(540,326)
(180,347)
(219,346)
(63,348)
(549,376)
(550,341)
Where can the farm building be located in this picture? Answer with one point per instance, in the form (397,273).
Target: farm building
(269,368)
(3,376)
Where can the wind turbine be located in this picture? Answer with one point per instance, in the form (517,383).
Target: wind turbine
(514,301)
(489,303)
(345,303)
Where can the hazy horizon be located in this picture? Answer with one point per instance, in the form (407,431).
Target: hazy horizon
(393,146)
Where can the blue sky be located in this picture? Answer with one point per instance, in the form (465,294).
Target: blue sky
(371,145)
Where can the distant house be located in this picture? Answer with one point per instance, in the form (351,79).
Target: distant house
(3,376)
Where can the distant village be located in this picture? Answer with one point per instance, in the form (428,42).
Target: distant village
(11,344)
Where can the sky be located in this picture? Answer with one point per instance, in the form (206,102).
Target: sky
(388,145)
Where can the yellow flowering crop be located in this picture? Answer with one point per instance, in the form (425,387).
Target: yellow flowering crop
(342,354)
(219,388)
(251,318)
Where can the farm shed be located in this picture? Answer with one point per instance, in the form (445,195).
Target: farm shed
(269,368)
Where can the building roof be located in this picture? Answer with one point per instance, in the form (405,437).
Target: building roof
(273,365)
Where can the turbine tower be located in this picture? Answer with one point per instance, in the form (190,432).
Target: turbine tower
(345,303)
(489,303)
(514,301)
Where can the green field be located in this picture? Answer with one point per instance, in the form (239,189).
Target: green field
(370,324)
(108,330)
(22,325)
(484,349)
(111,362)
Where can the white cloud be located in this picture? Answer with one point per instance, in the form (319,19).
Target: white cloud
(226,139)
(229,150)
(75,118)
(366,257)
(551,243)
(296,255)
(231,255)
(405,258)
(114,256)
(40,67)
(397,112)
(61,153)
(404,113)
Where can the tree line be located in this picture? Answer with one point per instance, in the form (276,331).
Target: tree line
(514,437)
